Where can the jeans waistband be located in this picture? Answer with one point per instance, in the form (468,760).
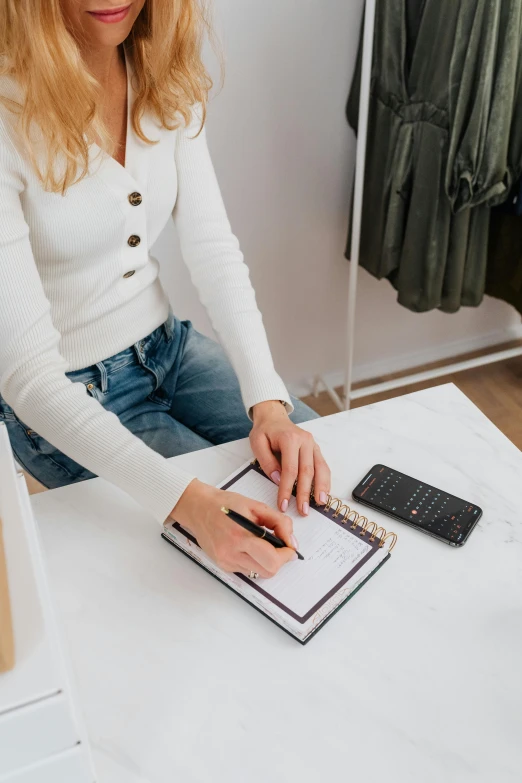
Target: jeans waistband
(134,354)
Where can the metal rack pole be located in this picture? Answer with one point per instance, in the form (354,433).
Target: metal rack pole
(360,165)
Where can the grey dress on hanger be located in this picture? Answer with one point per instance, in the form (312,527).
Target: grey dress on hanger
(444,81)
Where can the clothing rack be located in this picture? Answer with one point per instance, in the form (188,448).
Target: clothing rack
(349,393)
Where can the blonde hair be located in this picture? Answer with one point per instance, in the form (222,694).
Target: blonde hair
(62,97)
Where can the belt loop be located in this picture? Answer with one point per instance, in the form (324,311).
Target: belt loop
(103,376)
(139,350)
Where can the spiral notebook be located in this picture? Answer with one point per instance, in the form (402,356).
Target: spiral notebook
(342,550)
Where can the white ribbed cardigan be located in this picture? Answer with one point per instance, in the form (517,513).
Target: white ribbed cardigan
(65,302)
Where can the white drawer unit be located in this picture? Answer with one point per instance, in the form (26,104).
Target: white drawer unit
(36,731)
(73,766)
(42,737)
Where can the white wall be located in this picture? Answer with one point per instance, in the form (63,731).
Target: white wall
(284,157)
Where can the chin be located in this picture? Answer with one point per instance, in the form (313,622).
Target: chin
(114,35)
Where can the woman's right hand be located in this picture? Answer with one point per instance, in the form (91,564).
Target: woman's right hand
(229,545)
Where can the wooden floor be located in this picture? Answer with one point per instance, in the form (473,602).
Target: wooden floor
(495,388)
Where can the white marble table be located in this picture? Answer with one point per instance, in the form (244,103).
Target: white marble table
(418,678)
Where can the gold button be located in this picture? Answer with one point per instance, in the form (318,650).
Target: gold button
(90,386)
(134,240)
(135,199)
(129,274)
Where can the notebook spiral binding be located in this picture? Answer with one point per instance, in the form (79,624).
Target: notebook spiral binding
(358,520)
(350,515)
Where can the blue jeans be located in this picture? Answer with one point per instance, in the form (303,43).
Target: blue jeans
(175,389)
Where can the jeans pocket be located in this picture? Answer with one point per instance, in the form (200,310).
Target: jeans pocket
(41,459)
(91,384)
(94,391)
(39,444)
(6,412)
(93,380)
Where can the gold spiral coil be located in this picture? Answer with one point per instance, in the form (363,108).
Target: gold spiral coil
(366,527)
(393,536)
(351,515)
(379,533)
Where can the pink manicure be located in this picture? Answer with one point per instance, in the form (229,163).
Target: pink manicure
(293,539)
(276,477)
(284,505)
(322,497)
(306,508)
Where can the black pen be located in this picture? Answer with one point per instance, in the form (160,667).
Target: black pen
(257,530)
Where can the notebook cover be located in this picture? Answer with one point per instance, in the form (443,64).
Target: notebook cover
(258,609)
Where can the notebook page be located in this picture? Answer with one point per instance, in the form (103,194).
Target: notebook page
(331,553)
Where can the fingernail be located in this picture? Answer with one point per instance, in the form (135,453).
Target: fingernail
(322,497)
(284,505)
(276,477)
(306,508)
(294,556)
(293,539)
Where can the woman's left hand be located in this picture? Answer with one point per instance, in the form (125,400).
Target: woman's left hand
(274,434)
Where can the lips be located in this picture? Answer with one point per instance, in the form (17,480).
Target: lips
(111,15)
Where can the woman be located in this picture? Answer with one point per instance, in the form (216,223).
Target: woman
(100,142)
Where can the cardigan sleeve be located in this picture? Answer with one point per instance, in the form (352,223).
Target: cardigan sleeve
(484,76)
(215,262)
(33,377)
